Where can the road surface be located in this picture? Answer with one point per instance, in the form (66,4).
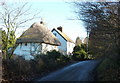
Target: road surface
(81,71)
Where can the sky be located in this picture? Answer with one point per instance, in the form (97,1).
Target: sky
(55,13)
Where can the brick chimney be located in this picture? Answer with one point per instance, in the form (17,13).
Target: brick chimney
(60,28)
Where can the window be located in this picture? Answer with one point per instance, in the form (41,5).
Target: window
(55,34)
(25,44)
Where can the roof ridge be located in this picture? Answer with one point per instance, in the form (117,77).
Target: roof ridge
(38,34)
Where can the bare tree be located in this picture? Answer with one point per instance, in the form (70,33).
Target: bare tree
(102,18)
(14,16)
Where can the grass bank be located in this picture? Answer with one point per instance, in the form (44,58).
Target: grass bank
(108,70)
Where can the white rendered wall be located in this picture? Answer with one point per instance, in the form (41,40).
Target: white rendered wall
(63,47)
(28,50)
(70,47)
(31,49)
(48,47)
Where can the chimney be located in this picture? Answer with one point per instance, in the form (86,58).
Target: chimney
(60,28)
(41,22)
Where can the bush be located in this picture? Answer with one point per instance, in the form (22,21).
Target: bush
(79,53)
(108,70)
(53,54)
(64,59)
(76,57)
(83,54)
(20,70)
(51,60)
(84,47)
(77,48)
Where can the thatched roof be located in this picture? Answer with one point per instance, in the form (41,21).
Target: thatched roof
(38,33)
(63,35)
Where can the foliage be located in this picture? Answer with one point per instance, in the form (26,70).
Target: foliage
(102,22)
(21,70)
(12,39)
(7,42)
(64,59)
(13,17)
(53,54)
(79,52)
(80,55)
(84,47)
(76,48)
(17,70)
(108,70)
(57,56)
(52,59)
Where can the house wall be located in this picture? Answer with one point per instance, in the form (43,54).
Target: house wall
(70,47)
(26,50)
(63,47)
(47,47)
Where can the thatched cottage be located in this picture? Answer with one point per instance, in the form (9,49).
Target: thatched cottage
(36,40)
(67,44)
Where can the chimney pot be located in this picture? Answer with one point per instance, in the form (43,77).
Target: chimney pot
(60,28)
(41,22)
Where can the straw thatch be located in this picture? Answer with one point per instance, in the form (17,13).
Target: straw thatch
(38,33)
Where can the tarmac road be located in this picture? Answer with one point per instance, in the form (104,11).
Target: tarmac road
(81,71)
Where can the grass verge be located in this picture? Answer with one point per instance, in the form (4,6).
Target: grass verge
(108,70)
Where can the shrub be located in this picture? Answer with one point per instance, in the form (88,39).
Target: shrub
(42,62)
(41,65)
(76,57)
(76,48)
(83,54)
(64,59)
(20,70)
(54,54)
(108,70)
(84,47)
(79,53)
